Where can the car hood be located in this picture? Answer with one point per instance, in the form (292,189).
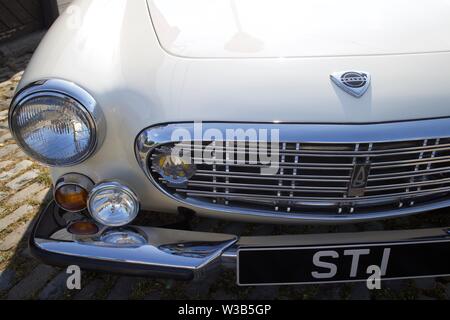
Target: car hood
(138,84)
(307,28)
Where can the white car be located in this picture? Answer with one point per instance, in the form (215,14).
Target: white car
(263,111)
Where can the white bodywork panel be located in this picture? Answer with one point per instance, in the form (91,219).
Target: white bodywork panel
(305,28)
(109,47)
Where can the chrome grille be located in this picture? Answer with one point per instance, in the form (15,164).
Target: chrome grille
(316,177)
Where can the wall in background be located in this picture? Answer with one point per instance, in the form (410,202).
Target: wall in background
(21,17)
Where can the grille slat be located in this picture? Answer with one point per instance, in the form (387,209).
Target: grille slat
(388,176)
(264,187)
(317,177)
(392,198)
(325,153)
(287,177)
(408,185)
(333,166)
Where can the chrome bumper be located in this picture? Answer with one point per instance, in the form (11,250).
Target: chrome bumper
(180,254)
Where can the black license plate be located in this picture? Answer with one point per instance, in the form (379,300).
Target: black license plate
(342,263)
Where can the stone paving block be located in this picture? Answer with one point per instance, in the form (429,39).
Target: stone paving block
(5,138)
(42,195)
(425,283)
(55,288)
(22,165)
(4,105)
(5,164)
(123,288)
(424,297)
(154,295)
(4,125)
(394,285)
(15,216)
(360,291)
(32,283)
(20,154)
(222,295)
(8,149)
(23,179)
(12,239)
(201,287)
(26,193)
(22,46)
(328,292)
(3,195)
(6,279)
(89,291)
(264,293)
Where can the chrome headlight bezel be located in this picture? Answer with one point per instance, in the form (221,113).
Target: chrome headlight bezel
(61,89)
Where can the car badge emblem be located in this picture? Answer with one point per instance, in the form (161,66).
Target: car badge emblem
(355,83)
(358,182)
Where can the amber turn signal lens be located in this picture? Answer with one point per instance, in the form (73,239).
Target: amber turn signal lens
(83,228)
(71,197)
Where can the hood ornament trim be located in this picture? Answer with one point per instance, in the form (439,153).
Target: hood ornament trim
(354,83)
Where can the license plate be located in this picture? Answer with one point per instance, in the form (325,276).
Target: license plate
(342,263)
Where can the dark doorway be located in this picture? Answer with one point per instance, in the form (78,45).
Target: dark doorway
(19,17)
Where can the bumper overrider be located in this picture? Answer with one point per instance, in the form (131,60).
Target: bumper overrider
(188,255)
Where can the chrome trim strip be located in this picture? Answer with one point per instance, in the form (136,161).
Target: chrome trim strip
(329,153)
(391,197)
(155,136)
(66,89)
(320,133)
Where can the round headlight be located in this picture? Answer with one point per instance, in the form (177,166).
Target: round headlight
(113,204)
(52,124)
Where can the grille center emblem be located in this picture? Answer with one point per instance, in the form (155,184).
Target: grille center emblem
(355,83)
(358,182)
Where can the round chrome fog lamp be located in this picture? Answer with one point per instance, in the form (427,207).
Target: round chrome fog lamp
(123,238)
(113,204)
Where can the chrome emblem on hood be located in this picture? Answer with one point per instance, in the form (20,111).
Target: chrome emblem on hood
(355,83)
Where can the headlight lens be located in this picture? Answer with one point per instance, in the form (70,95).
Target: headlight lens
(113,204)
(54,129)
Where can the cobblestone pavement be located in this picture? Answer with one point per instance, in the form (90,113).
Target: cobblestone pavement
(24,188)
